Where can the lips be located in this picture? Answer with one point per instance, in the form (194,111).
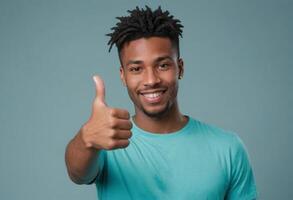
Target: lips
(153,96)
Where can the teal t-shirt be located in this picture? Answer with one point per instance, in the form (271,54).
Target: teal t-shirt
(198,162)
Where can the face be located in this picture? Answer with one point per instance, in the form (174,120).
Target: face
(150,70)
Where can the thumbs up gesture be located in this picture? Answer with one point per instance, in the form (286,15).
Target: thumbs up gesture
(107,128)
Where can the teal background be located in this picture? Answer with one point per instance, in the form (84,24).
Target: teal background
(238,75)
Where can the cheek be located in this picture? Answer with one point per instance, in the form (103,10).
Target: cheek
(171,79)
(170,75)
(132,83)
(173,86)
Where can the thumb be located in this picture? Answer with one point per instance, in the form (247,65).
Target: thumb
(100,89)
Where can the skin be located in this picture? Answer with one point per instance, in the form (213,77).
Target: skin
(148,65)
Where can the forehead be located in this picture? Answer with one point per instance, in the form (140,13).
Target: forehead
(147,49)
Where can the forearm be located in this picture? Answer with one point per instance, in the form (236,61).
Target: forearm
(81,161)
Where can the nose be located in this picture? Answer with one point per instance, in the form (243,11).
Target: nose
(151,77)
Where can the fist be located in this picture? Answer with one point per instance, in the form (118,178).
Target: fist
(107,128)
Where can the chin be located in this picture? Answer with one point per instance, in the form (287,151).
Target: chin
(156,113)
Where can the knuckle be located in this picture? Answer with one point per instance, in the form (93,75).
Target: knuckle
(112,122)
(112,133)
(126,113)
(111,144)
(112,111)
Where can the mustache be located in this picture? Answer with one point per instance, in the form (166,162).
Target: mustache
(154,88)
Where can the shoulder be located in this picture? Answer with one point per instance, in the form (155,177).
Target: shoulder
(214,133)
(234,158)
(220,140)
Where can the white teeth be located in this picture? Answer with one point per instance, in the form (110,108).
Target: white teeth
(152,95)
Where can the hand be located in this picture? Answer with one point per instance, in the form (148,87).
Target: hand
(108,128)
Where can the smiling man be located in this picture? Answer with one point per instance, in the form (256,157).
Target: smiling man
(158,153)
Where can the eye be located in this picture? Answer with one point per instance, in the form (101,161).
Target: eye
(164,66)
(135,69)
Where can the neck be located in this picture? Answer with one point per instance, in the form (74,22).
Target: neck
(171,121)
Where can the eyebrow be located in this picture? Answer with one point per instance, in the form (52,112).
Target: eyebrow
(159,59)
(133,62)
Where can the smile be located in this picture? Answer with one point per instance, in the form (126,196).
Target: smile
(153,97)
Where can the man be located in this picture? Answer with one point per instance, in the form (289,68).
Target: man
(158,153)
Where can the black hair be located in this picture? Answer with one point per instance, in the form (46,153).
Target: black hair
(143,24)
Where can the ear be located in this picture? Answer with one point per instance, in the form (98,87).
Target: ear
(122,75)
(181,68)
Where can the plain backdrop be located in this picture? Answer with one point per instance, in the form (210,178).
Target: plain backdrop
(238,76)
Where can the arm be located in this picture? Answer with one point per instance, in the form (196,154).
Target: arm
(81,161)
(108,129)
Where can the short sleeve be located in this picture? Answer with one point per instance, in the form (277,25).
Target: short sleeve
(242,183)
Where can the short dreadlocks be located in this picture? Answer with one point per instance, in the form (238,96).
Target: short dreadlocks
(144,24)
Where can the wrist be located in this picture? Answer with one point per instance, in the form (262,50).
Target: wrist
(84,140)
